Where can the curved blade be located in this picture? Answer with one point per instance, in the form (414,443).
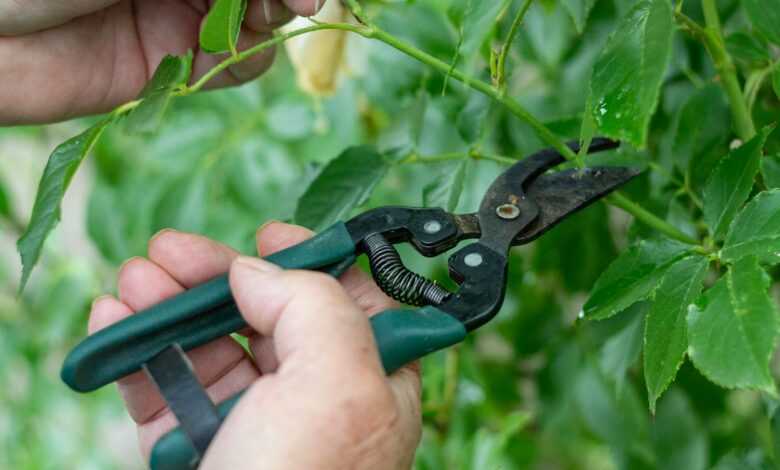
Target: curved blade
(561,194)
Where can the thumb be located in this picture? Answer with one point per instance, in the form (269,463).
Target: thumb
(310,316)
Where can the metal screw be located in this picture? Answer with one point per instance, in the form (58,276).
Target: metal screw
(432,226)
(473,260)
(508,211)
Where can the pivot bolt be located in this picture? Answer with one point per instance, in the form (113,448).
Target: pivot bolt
(473,260)
(508,211)
(432,226)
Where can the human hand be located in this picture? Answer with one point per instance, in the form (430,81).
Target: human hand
(317,396)
(66,59)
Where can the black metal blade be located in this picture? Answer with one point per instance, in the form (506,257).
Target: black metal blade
(558,195)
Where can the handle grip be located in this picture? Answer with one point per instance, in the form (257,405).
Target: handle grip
(401,336)
(192,318)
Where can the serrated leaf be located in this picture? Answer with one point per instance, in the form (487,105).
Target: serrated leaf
(627,76)
(579,11)
(765,16)
(730,183)
(666,333)
(173,72)
(445,189)
(632,277)
(59,171)
(222,26)
(344,183)
(732,329)
(770,170)
(756,229)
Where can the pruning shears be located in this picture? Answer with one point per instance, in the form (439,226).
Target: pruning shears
(522,204)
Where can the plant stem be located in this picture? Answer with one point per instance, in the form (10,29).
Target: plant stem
(713,40)
(516,108)
(618,199)
(501,66)
(487,89)
(278,39)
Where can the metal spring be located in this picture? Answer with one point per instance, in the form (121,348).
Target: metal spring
(396,280)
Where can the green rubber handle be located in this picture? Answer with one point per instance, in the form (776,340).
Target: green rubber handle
(193,318)
(402,336)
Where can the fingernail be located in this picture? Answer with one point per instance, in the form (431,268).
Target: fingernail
(98,300)
(161,233)
(266,224)
(257,264)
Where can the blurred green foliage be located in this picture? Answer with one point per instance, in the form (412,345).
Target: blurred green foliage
(538,388)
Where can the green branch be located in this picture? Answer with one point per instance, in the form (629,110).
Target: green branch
(648,218)
(713,40)
(500,77)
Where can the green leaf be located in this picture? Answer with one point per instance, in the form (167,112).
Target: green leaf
(730,183)
(579,11)
(479,21)
(775,426)
(679,438)
(445,189)
(5,202)
(632,277)
(627,76)
(173,72)
(666,333)
(622,350)
(756,229)
(770,170)
(732,329)
(344,183)
(59,171)
(747,48)
(765,16)
(701,124)
(222,26)
(472,120)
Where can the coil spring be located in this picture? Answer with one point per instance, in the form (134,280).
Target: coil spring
(396,280)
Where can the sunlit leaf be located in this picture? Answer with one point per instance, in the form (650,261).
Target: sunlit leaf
(61,167)
(666,333)
(343,184)
(756,229)
(220,29)
(732,329)
(730,183)
(632,277)
(627,76)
